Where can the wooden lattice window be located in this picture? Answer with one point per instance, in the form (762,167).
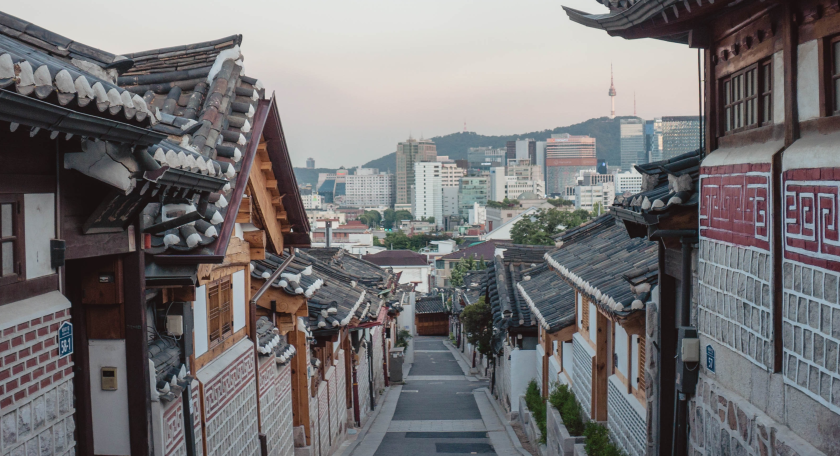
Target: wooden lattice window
(641,378)
(747,98)
(11,241)
(584,319)
(219,310)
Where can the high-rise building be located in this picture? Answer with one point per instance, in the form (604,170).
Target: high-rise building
(565,157)
(653,140)
(367,187)
(540,146)
(485,158)
(680,135)
(510,150)
(428,191)
(587,196)
(473,189)
(408,153)
(632,143)
(450,201)
(496,184)
(526,149)
(310,163)
(628,181)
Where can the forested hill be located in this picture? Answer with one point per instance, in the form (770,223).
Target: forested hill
(606,132)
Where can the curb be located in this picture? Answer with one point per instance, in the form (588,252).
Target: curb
(511,434)
(347,451)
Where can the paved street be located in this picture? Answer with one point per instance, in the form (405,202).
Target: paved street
(441,410)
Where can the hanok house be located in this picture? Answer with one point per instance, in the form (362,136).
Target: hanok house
(612,275)
(469,293)
(766,210)
(412,267)
(515,343)
(431,316)
(666,211)
(339,333)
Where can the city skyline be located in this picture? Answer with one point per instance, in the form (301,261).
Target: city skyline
(461,71)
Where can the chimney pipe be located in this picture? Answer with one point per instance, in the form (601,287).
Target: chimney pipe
(328,230)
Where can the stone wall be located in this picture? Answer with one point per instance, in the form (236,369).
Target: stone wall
(172,427)
(540,353)
(339,401)
(378,371)
(735,303)
(276,406)
(625,418)
(36,387)
(324,417)
(651,373)
(582,373)
(723,423)
(195,406)
(362,375)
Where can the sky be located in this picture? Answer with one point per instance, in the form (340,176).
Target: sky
(353,78)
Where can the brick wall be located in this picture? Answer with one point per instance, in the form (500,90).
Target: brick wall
(315,431)
(36,388)
(735,303)
(230,404)
(502,376)
(723,423)
(195,409)
(378,371)
(582,373)
(173,428)
(333,398)
(285,444)
(626,418)
(364,388)
(324,418)
(341,391)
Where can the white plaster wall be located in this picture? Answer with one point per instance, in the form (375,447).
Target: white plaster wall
(621,349)
(579,310)
(808,81)
(415,274)
(538,363)
(568,358)
(200,321)
(523,368)
(779,87)
(593,321)
(554,375)
(238,232)
(238,285)
(39,220)
(109,409)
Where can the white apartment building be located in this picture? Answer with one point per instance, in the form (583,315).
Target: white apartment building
(428,191)
(586,196)
(451,174)
(312,201)
(369,187)
(497,180)
(628,181)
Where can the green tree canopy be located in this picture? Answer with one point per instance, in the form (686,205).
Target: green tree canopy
(539,228)
(503,204)
(371,218)
(392,218)
(465,264)
(397,240)
(478,325)
(560,202)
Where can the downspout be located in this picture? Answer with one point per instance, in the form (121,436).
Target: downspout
(384,359)
(370,371)
(356,412)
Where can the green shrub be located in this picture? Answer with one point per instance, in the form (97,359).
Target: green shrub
(403,336)
(536,404)
(598,441)
(563,399)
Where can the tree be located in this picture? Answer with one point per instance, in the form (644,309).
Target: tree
(478,326)
(560,202)
(456,277)
(539,228)
(371,218)
(392,218)
(396,240)
(503,204)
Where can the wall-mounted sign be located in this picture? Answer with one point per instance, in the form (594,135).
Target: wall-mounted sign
(65,339)
(710,358)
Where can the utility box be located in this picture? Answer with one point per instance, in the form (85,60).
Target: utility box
(396,364)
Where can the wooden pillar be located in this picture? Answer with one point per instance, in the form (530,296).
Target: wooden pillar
(137,352)
(81,360)
(599,371)
(667,353)
(790,44)
(300,389)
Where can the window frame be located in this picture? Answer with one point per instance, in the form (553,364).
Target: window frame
(832,78)
(757,102)
(223,288)
(17,238)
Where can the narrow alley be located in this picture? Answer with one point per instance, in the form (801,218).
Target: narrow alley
(440,410)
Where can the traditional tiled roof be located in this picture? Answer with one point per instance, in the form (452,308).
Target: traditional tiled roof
(271,343)
(550,298)
(484,250)
(616,271)
(429,304)
(665,185)
(397,258)
(509,307)
(39,63)
(207,105)
(296,279)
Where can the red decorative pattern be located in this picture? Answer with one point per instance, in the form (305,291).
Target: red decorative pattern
(812,235)
(224,386)
(735,202)
(173,428)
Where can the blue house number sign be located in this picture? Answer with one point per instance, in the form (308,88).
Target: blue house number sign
(710,358)
(65,339)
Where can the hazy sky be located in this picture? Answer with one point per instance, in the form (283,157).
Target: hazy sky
(354,77)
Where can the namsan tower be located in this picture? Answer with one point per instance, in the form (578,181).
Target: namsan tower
(612,93)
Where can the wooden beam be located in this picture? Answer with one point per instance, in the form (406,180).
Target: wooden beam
(255,239)
(262,200)
(271,183)
(244,213)
(137,352)
(266,166)
(183,294)
(599,375)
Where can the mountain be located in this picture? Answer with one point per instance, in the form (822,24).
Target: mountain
(605,131)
